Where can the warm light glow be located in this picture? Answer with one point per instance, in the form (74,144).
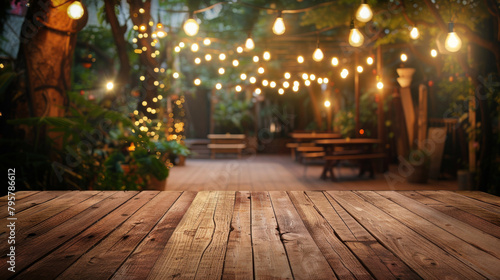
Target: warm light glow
(369,60)
(434,53)
(307,83)
(279,25)
(286,84)
(160,31)
(208,57)
(325,80)
(236,63)
(253,80)
(110,86)
(295,89)
(221,71)
(218,86)
(300,59)
(312,77)
(265,83)
(258,91)
(272,84)
(197,82)
(255,58)
(207,42)
(141,11)
(305,76)
(296,83)
(356,39)
(266,56)
(75,10)
(364,13)
(453,43)
(197,60)
(260,70)
(344,73)
(327,104)
(414,34)
(318,55)
(195,47)
(222,56)
(238,88)
(380,85)
(239,49)
(243,76)
(144,103)
(287,75)
(320,81)
(281,91)
(181,44)
(249,44)
(191,27)
(335,61)
(177,49)
(359,69)
(404,57)
(175,75)
(142,78)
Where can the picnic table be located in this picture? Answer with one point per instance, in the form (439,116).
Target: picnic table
(304,141)
(226,143)
(362,151)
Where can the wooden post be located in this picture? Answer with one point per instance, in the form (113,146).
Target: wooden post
(356,92)
(422,114)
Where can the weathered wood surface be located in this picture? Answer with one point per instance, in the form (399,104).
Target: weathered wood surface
(255,235)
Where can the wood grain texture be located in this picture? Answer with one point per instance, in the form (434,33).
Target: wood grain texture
(34,200)
(481,196)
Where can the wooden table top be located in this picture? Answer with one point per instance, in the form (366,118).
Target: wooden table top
(246,235)
(347,141)
(314,135)
(226,136)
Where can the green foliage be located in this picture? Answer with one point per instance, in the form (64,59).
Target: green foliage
(232,114)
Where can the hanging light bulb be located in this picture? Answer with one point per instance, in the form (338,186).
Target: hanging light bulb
(75,10)
(307,83)
(207,42)
(300,59)
(404,57)
(305,76)
(380,85)
(335,61)
(369,60)
(197,60)
(243,76)
(359,69)
(221,71)
(279,25)
(453,43)
(208,57)
(160,31)
(238,88)
(218,86)
(239,49)
(255,58)
(312,77)
(266,56)
(236,63)
(249,44)
(344,73)
(287,75)
(327,103)
(260,70)
(272,84)
(195,47)
(222,56)
(252,80)
(281,91)
(356,39)
(434,53)
(364,13)
(197,82)
(318,54)
(414,34)
(191,27)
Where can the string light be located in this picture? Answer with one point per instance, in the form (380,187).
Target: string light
(359,69)
(453,43)
(356,39)
(110,86)
(208,57)
(181,44)
(207,42)
(221,71)
(197,60)
(434,53)
(295,89)
(255,58)
(327,104)
(344,73)
(305,76)
(414,34)
(380,85)
(364,13)
(307,83)
(312,77)
(266,56)
(281,91)
(325,80)
(320,81)
(238,88)
(335,61)
(160,31)
(197,82)
(253,80)
(236,63)
(191,27)
(243,76)
(195,47)
(218,86)
(272,84)
(249,44)
(75,10)
(260,70)
(239,49)
(177,49)
(286,84)
(300,59)
(258,91)
(279,25)
(369,60)
(404,57)
(222,56)
(265,83)
(287,75)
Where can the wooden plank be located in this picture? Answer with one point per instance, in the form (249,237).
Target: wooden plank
(475,258)
(36,214)
(141,261)
(36,199)
(304,256)
(482,196)
(36,248)
(341,260)
(270,259)
(63,257)
(239,260)
(359,232)
(420,198)
(192,236)
(426,259)
(212,261)
(480,209)
(20,195)
(381,262)
(106,257)
(466,232)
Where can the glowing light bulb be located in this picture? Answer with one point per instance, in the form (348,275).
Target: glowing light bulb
(218,86)
(258,91)
(359,69)
(253,80)
(208,57)
(175,75)
(243,76)
(177,49)
(255,58)
(191,27)
(279,25)
(344,73)
(181,44)
(356,39)
(295,89)
(265,83)
(239,49)
(197,82)
(327,104)
(364,13)
(307,83)
(318,55)
(249,44)
(286,84)
(110,86)
(221,71)
(453,43)
(320,81)
(222,56)
(380,85)
(75,10)
(296,83)
(414,34)
(281,91)
(236,63)
(272,84)
(238,88)
(266,56)
(160,31)
(300,59)
(434,53)
(260,70)
(335,61)
(369,60)
(325,80)
(195,47)
(287,75)
(305,76)
(312,77)
(197,60)
(207,42)
(404,57)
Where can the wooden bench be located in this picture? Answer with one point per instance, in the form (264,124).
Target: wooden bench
(363,157)
(226,143)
